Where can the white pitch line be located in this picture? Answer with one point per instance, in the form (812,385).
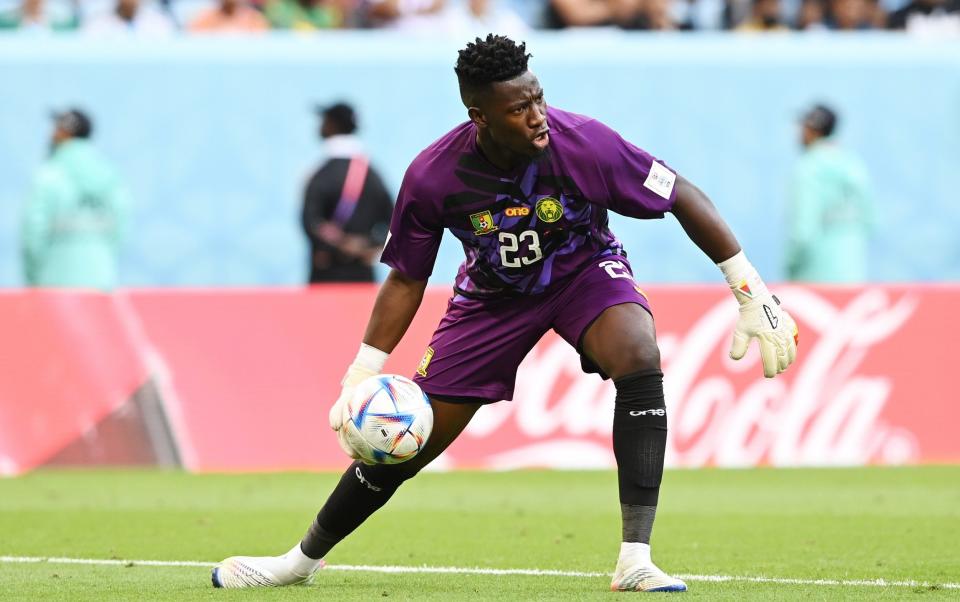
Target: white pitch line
(103,561)
(486,571)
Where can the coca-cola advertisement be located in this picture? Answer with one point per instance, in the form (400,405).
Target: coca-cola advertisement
(242,380)
(862,391)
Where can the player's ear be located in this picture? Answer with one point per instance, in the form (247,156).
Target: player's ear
(477,117)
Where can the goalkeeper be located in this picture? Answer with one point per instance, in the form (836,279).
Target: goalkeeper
(527,190)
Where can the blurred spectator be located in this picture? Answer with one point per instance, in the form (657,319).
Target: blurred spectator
(928,16)
(811,16)
(656,15)
(851,15)
(35,15)
(478,17)
(588,13)
(303,14)
(425,16)
(346,207)
(230,15)
(878,14)
(131,17)
(830,211)
(702,14)
(765,15)
(73,219)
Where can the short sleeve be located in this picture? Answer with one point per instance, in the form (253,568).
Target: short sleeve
(631,182)
(414,237)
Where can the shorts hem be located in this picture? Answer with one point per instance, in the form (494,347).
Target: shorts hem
(587,364)
(579,345)
(493,395)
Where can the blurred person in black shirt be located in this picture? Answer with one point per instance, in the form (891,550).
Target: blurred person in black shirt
(346,207)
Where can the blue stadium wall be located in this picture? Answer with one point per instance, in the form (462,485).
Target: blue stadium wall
(215,137)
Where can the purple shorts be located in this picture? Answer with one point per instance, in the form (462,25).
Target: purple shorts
(479,344)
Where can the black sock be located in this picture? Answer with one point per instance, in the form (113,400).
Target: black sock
(639,444)
(362,490)
(637,522)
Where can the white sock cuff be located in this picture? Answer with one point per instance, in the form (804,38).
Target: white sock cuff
(300,563)
(635,550)
(371,358)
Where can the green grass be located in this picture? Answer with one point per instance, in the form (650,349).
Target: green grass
(848,524)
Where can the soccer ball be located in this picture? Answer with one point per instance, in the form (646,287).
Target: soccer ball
(390,419)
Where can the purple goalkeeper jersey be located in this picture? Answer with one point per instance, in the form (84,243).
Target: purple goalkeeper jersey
(527,228)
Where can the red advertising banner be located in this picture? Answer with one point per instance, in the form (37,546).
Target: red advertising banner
(246,377)
(67,360)
(869,387)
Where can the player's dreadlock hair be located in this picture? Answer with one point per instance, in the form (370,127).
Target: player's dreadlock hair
(482,62)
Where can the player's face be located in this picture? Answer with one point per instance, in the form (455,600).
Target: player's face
(515,117)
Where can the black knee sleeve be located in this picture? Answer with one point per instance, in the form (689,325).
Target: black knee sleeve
(640,436)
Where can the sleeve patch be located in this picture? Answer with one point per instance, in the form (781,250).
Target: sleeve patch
(660,180)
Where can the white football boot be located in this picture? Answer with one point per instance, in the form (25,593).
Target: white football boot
(637,573)
(293,568)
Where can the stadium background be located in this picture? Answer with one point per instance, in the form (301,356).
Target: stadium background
(215,137)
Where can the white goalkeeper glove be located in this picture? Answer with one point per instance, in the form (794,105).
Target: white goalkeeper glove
(760,316)
(369,362)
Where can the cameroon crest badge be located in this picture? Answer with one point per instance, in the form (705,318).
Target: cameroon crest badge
(482,223)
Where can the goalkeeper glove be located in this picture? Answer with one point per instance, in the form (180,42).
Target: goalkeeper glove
(760,316)
(369,362)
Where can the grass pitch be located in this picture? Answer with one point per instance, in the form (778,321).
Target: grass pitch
(896,524)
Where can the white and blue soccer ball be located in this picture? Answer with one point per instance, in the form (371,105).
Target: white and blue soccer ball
(390,419)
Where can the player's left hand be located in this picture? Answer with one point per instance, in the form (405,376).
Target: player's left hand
(355,375)
(763,318)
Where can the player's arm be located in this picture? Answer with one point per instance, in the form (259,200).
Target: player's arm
(410,250)
(702,222)
(396,305)
(760,313)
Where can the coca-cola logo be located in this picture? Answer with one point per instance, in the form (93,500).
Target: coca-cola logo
(826,410)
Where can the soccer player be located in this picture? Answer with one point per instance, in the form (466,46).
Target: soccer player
(526,189)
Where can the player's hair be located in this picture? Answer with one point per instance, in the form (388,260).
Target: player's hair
(484,61)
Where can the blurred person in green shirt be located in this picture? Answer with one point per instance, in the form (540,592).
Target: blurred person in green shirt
(74,217)
(36,16)
(303,14)
(831,210)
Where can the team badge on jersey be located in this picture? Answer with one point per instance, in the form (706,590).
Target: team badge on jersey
(483,223)
(549,209)
(425,360)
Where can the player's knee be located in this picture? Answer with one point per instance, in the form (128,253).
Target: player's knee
(641,357)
